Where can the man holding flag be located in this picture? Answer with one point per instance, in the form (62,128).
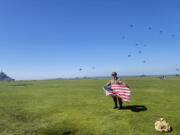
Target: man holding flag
(118,90)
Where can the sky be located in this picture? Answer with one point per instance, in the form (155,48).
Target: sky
(42,39)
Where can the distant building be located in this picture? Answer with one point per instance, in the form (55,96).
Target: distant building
(4,77)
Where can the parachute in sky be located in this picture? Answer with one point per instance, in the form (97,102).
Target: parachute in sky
(131,25)
(172,35)
(123,37)
(140,51)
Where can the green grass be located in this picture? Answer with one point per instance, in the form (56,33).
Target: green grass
(80,107)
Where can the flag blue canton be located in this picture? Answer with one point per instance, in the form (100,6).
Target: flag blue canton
(107,88)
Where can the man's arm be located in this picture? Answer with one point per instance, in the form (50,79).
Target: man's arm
(121,82)
(108,83)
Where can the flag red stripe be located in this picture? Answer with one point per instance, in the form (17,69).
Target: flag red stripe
(120,91)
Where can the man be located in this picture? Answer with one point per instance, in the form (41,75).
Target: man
(114,81)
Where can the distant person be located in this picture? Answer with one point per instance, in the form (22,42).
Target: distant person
(115,81)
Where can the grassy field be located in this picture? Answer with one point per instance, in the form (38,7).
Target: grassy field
(80,107)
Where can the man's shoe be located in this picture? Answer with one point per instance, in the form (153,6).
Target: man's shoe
(120,108)
(115,107)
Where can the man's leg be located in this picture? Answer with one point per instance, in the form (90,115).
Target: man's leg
(115,102)
(120,103)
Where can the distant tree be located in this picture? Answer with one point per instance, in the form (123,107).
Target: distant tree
(143,75)
(4,77)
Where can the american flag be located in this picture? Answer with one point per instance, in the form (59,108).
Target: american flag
(118,90)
